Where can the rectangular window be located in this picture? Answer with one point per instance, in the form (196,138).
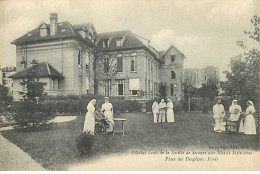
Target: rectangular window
(3,75)
(133,64)
(134,92)
(105,43)
(119,64)
(4,82)
(79,58)
(119,42)
(120,87)
(172,90)
(172,58)
(106,65)
(59,84)
(173,74)
(52,83)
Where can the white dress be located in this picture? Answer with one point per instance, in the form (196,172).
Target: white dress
(249,124)
(235,111)
(89,123)
(108,113)
(170,113)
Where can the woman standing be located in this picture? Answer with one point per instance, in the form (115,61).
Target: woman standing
(107,108)
(162,107)
(170,113)
(249,125)
(89,124)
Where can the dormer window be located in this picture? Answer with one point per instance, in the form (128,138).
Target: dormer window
(43,30)
(119,42)
(105,43)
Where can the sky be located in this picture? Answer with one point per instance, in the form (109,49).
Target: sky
(206,31)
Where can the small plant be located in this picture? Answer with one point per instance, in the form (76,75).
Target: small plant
(84,143)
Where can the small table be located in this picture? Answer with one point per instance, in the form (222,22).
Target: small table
(122,120)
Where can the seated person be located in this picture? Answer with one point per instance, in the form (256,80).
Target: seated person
(235,111)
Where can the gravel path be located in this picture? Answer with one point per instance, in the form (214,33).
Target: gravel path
(13,158)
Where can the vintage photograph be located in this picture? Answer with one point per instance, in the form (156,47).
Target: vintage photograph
(129,85)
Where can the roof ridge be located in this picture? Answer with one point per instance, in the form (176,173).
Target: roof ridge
(48,68)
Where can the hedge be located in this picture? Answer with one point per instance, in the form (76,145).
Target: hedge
(73,106)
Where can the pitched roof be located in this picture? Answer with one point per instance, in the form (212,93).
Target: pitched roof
(65,30)
(163,52)
(129,41)
(42,69)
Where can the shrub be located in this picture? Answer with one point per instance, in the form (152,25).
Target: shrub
(149,105)
(84,143)
(31,115)
(177,106)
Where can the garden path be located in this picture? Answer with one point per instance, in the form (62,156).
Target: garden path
(13,158)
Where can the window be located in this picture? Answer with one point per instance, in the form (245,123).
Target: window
(120,87)
(4,82)
(119,42)
(173,74)
(52,83)
(87,67)
(106,65)
(105,43)
(134,92)
(172,58)
(133,64)
(119,64)
(59,84)
(172,90)
(134,86)
(3,75)
(79,58)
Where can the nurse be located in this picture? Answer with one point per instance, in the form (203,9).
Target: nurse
(107,109)
(89,123)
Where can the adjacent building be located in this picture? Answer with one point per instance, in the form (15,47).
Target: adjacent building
(172,71)
(198,77)
(6,72)
(75,59)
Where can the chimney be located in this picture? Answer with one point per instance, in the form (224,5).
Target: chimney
(53,23)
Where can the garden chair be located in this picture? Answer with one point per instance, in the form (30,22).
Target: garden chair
(233,126)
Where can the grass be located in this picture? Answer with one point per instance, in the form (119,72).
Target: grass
(55,149)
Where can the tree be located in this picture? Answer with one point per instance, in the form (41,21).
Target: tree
(163,90)
(208,90)
(106,70)
(34,88)
(243,77)
(30,113)
(5,100)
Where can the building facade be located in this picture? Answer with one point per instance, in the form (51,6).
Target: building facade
(67,48)
(198,77)
(133,66)
(83,62)
(6,72)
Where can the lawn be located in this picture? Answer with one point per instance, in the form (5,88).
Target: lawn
(55,149)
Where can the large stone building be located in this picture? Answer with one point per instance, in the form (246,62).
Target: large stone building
(198,77)
(75,59)
(171,71)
